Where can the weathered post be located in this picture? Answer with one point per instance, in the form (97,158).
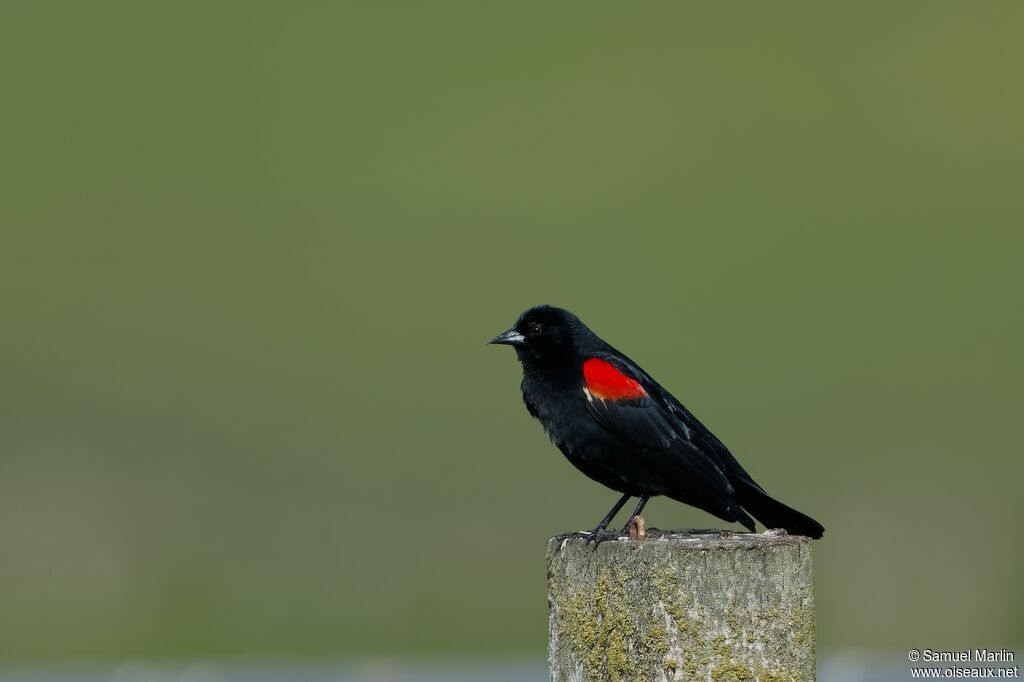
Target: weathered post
(684,605)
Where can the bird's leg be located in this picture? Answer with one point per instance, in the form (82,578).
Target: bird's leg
(636,513)
(610,515)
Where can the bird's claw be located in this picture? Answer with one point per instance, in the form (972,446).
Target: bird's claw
(599,535)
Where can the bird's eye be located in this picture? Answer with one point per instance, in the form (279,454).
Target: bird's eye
(535,329)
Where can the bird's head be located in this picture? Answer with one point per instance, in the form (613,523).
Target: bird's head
(542,333)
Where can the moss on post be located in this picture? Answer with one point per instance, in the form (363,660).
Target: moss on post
(676,606)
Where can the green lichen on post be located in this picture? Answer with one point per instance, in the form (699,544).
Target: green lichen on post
(716,609)
(666,582)
(606,636)
(731,672)
(765,675)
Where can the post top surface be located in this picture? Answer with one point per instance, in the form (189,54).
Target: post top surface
(687,538)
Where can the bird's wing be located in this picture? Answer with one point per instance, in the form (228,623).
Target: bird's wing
(702,438)
(622,405)
(626,401)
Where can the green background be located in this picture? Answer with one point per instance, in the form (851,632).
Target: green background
(250,254)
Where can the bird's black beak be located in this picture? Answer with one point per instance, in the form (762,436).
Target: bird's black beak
(509,338)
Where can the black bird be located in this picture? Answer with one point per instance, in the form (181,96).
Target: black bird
(622,429)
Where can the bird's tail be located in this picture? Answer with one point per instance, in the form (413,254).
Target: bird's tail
(774,514)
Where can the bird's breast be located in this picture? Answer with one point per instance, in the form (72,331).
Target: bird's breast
(568,424)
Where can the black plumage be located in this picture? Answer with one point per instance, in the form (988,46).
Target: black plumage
(618,426)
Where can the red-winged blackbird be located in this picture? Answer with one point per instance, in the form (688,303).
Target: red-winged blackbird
(621,428)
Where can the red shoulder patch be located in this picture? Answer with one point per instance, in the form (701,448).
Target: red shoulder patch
(607,383)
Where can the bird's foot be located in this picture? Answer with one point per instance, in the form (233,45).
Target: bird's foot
(601,534)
